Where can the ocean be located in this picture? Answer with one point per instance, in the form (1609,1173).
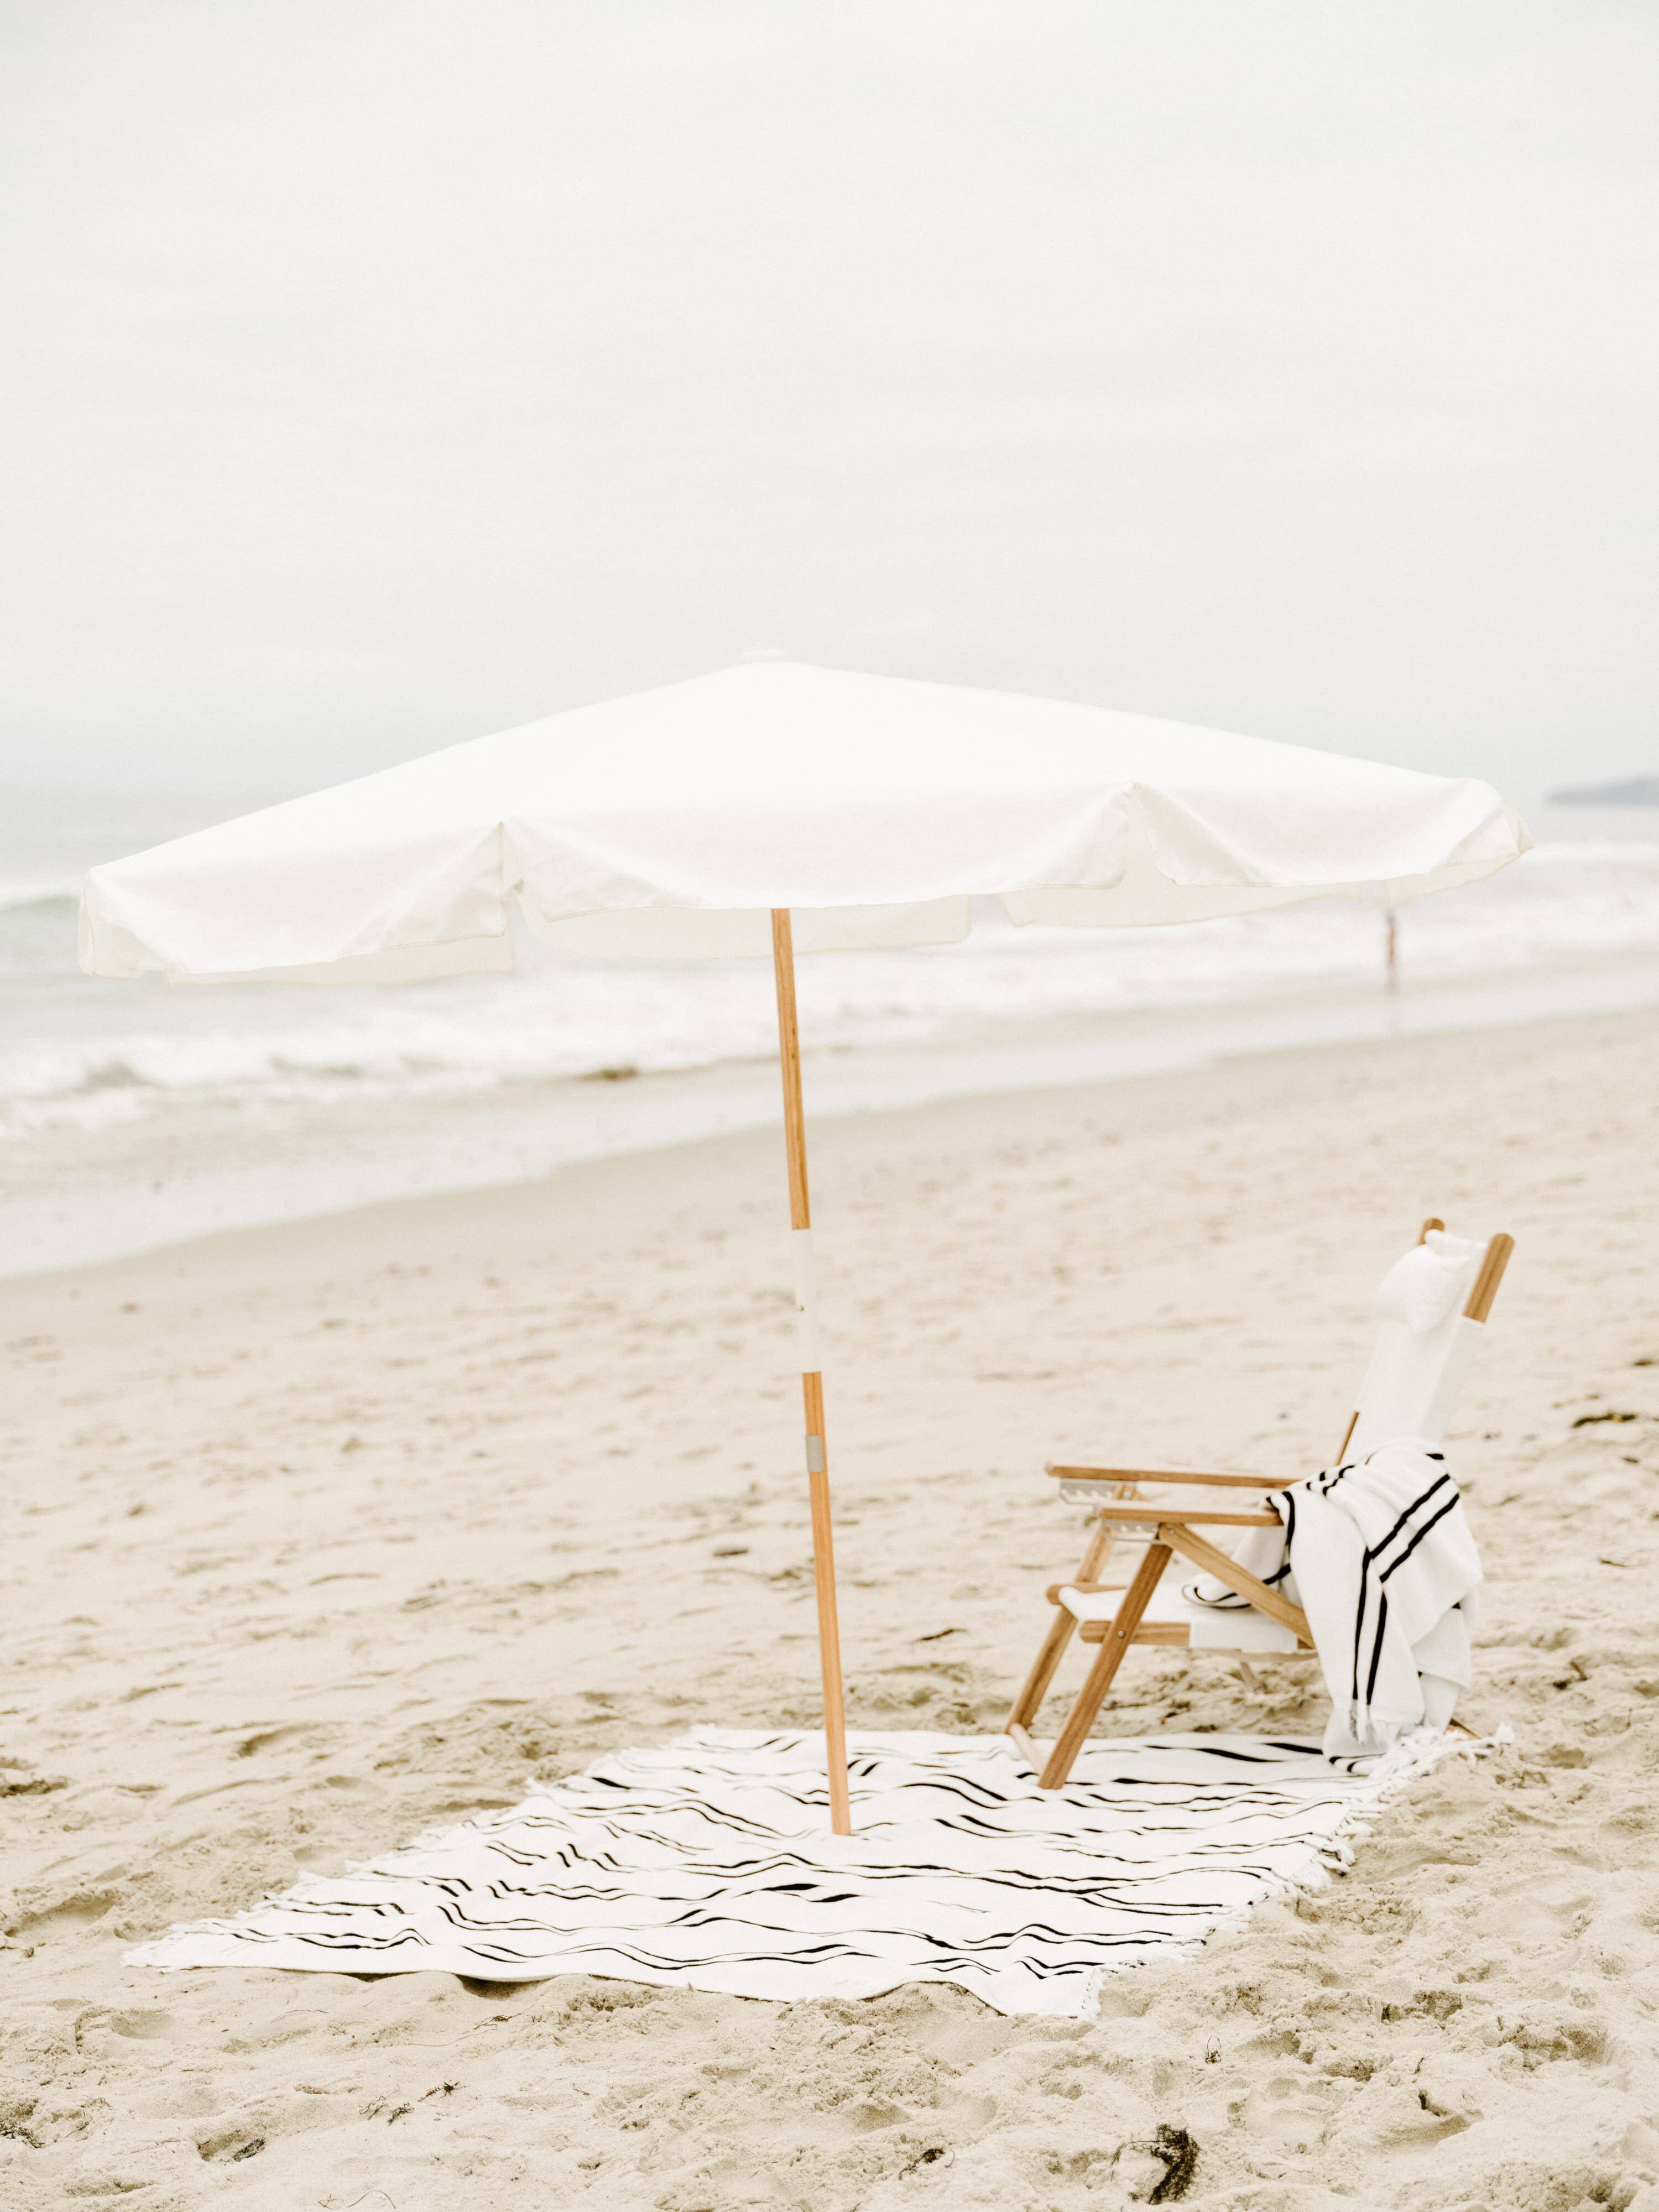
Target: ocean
(133,1112)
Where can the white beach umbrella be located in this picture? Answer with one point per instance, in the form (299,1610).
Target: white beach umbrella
(772,807)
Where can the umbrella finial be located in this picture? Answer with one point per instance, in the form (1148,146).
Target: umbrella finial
(757,653)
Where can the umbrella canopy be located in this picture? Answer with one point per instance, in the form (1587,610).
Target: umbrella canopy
(768,806)
(669,824)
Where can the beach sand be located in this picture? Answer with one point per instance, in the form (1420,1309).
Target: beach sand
(322,1534)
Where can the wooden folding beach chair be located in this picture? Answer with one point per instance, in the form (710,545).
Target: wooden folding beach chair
(1411,1390)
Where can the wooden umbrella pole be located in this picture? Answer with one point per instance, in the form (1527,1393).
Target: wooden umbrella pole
(811,1379)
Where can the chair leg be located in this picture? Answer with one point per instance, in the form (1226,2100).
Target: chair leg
(1061,1629)
(1092,1695)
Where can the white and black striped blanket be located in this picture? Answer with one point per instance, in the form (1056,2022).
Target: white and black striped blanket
(708,1863)
(1379,1555)
(1397,1556)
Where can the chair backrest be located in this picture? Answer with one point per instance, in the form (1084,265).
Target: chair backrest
(1432,1309)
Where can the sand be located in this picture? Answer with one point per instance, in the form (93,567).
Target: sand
(321,1535)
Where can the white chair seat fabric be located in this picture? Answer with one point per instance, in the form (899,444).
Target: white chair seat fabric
(1210,1628)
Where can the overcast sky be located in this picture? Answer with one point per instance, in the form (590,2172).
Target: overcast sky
(378,374)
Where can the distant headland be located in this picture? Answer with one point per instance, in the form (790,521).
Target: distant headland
(1639,791)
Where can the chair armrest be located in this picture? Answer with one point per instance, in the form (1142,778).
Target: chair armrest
(1147,1513)
(1158,1474)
